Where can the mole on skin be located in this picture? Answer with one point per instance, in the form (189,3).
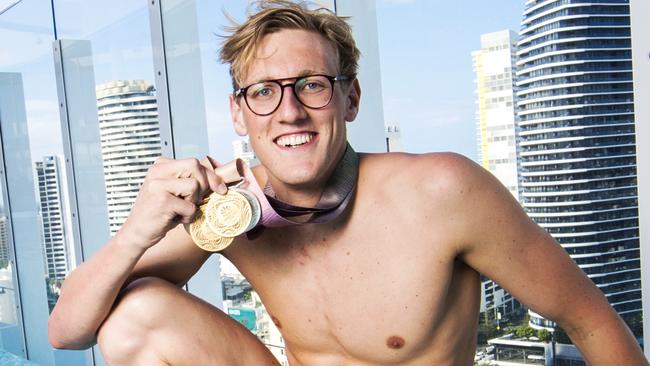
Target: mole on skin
(395,342)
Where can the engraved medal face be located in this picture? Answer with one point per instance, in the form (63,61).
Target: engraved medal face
(204,237)
(228,215)
(222,218)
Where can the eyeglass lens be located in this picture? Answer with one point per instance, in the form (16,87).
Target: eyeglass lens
(312,91)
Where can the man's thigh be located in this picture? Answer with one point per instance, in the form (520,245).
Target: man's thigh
(157,322)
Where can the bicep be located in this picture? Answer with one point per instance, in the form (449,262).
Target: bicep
(175,258)
(509,248)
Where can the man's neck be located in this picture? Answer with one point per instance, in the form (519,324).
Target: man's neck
(296,195)
(305,195)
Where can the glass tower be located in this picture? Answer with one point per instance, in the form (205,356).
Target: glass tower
(130,140)
(53,217)
(577,142)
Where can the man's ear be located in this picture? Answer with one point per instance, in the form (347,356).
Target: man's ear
(352,101)
(237,115)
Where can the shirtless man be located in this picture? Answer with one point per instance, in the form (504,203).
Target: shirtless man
(392,280)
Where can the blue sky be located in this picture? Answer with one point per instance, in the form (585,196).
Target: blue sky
(425,57)
(426,64)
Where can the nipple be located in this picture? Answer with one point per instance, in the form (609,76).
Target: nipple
(395,342)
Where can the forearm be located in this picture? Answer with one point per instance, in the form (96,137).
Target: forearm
(610,343)
(88,294)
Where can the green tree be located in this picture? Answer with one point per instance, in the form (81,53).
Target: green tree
(544,335)
(524,331)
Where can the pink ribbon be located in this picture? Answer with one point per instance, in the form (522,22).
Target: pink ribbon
(336,196)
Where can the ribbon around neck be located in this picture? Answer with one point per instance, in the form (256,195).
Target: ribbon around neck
(336,196)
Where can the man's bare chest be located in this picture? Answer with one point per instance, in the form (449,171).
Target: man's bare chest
(364,289)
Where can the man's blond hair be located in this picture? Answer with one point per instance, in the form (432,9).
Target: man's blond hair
(270,16)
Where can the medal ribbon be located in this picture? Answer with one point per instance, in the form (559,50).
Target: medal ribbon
(336,196)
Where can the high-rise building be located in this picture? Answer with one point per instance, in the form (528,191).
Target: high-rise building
(494,65)
(242,149)
(4,241)
(130,141)
(576,131)
(640,28)
(54,217)
(393,138)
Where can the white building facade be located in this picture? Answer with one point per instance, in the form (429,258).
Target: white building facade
(493,68)
(242,149)
(55,219)
(130,142)
(393,138)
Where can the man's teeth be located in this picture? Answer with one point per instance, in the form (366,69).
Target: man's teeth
(294,140)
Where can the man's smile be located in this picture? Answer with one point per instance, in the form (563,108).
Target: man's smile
(294,140)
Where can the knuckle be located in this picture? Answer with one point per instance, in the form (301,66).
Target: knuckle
(160,160)
(194,163)
(148,187)
(196,185)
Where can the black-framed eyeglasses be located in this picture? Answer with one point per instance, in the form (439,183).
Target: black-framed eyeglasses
(312,91)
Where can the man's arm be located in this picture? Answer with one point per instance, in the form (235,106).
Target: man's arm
(150,243)
(497,238)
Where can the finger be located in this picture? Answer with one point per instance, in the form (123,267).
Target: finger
(183,168)
(213,162)
(229,172)
(216,182)
(162,160)
(188,189)
(207,163)
(170,168)
(184,210)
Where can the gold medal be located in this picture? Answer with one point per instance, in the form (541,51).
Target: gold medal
(228,215)
(204,237)
(223,217)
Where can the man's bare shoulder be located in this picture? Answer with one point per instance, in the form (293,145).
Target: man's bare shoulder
(445,191)
(443,175)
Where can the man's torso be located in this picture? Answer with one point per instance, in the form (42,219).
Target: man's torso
(378,285)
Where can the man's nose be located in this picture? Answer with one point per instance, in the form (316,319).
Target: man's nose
(290,109)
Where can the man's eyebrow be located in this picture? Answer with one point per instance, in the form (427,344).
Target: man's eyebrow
(300,74)
(309,72)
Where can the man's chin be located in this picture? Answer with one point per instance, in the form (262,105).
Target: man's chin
(299,181)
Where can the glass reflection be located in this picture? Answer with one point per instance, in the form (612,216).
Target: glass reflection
(27,33)
(7,286)
(101,57)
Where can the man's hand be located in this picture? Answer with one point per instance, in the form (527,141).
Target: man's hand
(169,196)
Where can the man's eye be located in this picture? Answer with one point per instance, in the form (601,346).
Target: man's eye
(311,86)
(262,92)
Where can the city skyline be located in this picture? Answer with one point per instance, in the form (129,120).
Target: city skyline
(438,116)
(429,104)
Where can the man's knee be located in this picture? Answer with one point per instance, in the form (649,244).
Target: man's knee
(138,311)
